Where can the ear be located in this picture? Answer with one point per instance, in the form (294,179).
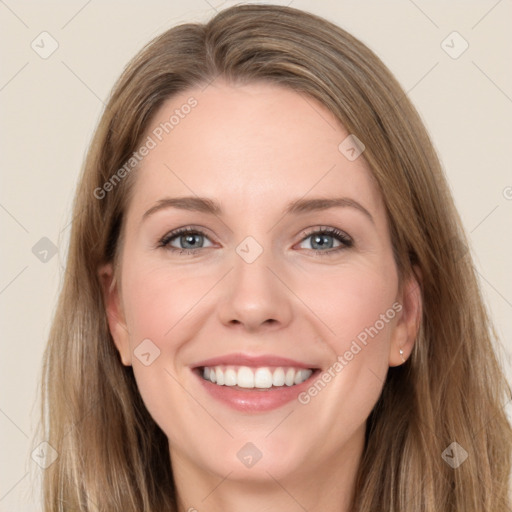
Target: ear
(409,319)
(115,314)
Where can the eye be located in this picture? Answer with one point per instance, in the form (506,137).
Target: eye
(323,239)
(190,240)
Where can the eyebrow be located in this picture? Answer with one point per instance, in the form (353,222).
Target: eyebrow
(209,206)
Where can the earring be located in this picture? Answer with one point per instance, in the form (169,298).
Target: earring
(402,355)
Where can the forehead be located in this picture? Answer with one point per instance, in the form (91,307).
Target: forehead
(257,143)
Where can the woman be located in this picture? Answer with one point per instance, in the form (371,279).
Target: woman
(324,346)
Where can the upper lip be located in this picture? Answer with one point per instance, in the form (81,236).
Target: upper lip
(253,361)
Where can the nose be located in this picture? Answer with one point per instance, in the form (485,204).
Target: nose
(255,295)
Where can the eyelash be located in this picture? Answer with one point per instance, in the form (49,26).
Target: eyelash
(336,233)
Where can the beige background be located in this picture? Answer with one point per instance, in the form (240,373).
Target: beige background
(51,106)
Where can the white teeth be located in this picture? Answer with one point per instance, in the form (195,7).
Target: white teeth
(290,377)
(229,377)
(300,376)
(263,378)
(278,377)
(244,377)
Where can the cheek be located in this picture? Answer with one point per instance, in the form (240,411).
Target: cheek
(359,306)
(156,301)
(365,314)
(158,306)
(351,303)
(355,303)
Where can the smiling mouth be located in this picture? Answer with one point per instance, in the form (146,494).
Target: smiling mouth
(259,378)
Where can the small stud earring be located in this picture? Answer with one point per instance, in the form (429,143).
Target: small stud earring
(402,355)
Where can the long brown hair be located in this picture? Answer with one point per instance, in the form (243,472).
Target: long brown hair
(111,454)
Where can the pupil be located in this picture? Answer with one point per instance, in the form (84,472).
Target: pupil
(320,239)
(190,239)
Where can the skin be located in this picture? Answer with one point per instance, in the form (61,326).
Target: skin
(255,148)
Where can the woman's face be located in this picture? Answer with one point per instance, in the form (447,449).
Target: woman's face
(269,287)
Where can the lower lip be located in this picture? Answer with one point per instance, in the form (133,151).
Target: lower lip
(255,399)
